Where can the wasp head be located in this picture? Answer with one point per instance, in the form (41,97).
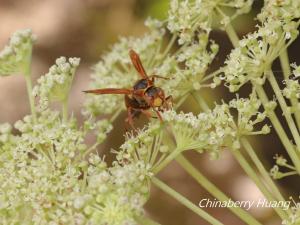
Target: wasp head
(156,96)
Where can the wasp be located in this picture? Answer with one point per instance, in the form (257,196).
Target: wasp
(143,96)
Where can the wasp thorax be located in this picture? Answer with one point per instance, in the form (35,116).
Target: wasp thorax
(141,84)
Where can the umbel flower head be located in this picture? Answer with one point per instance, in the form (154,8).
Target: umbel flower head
(188,17)
(195,59)
(16,56)
(43,181)
(209,131)
(56,84)
(214,130)
(146,145)
(251,60)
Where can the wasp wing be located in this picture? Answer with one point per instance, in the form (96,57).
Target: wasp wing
(122,91)
(136,61)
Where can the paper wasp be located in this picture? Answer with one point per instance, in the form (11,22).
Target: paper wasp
(144,95)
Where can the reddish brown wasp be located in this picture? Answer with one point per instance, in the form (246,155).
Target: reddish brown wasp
(143,96)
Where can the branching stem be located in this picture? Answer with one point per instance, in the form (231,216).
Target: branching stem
(185,202)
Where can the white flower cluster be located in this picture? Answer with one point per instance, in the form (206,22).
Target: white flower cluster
(294,218)
(146,145)
(15,57)
(60,141)
(292,86)
(42,180)
(252,59)
(188,17)
(196,58)
(101,129)
(116,194)
(249,115)
(5,133)
(212,131)
(282,163)
(285,10)
(56,84)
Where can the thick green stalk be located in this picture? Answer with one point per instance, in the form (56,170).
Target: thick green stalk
(278,127)
(65,109)
(169,46)
(203,105)
(280,131)
(249,149)
(285,110)
(185,202)
(251,173)
(232,35)
(30,96)
(285,65)
(167,160)
(27,75)
(247,168)
(214,191)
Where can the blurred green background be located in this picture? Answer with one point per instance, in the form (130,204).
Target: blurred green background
(86,29)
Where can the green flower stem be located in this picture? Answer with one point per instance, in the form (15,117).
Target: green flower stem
(203,105)
(94,146)
(284,108)
(214,191)
(167,160)
(280,131)
(203,181)
(212,75)
(232,35)
(252,174)
(115,115)
(245,165)
(185,202)
(65,109)
(27,75)
(285,65)
(181,100)
(152,157)
(278,127)
(249,149)
(30,96)
(287,174)
(169,46)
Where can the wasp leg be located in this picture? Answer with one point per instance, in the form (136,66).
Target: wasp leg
(169,102)
(158,115)
(152,77)
(129,118)
(147,113)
